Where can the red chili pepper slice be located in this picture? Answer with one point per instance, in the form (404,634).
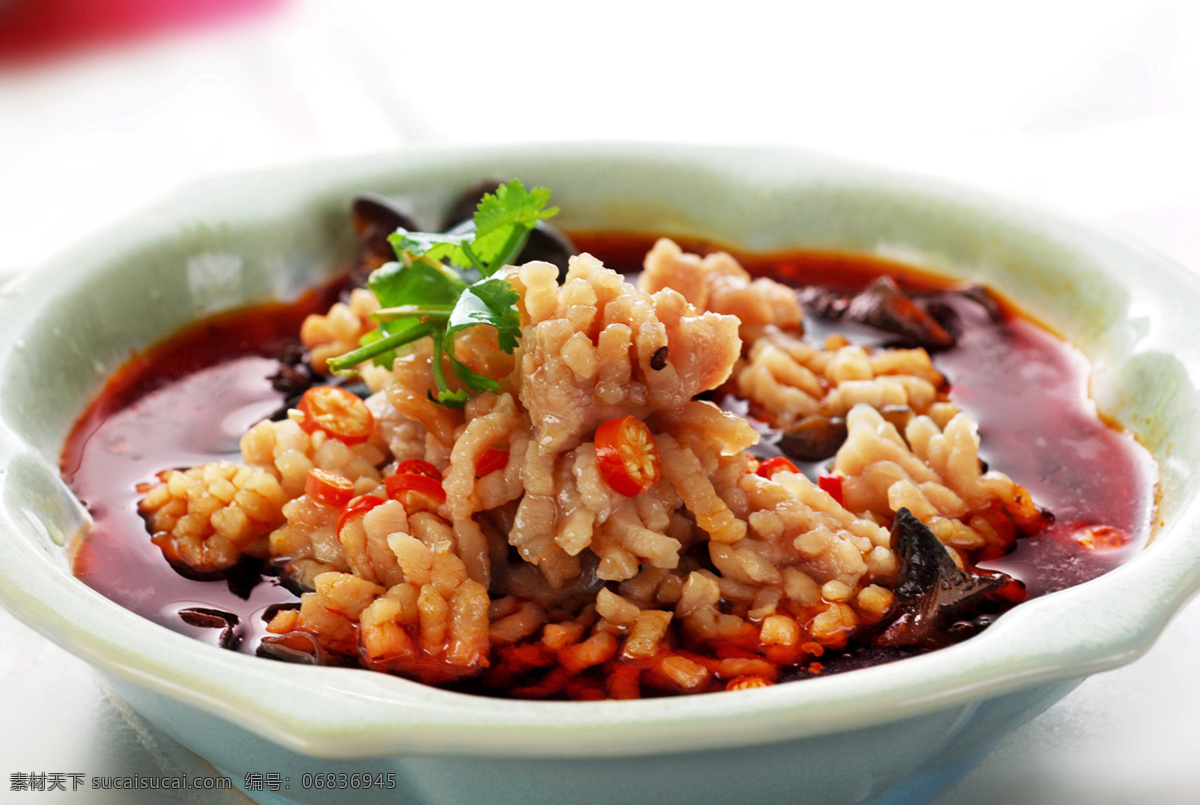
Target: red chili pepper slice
(748,682)
(416,466)
(491,460)
(340,413)
(400,484)
(357,507)
(833,485)
(328,487)
(627,455)
(774,465)
(1013,592)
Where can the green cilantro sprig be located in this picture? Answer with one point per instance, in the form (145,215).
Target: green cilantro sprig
(426,292)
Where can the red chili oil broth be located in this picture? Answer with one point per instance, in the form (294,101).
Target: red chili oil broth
(187,401)
(1027,388)
(182,403)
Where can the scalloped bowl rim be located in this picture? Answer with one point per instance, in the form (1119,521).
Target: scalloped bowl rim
(352,713)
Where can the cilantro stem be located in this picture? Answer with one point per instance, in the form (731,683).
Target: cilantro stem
(432,290)
(410,311)
(474,258)
(439,372)
(344,364)
(508,253)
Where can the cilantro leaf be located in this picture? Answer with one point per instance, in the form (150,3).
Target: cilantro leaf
(503,221)
(423,294)
(470,378)
(489,301)
(511,205)
(433,246)
(420,283)
(409,294)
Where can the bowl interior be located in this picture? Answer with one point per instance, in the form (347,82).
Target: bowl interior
(65,327)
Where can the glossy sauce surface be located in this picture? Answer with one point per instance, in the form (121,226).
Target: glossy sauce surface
(189,400)
(182,403)
(1028,390)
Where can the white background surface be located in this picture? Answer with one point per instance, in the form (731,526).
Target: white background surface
(1092,109)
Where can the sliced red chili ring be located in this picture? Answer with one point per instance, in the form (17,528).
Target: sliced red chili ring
(401,483)
(833,485)
(416,466)
(1013,592)
(627,455)
(491,460)
(328,487)
(776,464)
(748,682)
(357,507)
(338,412)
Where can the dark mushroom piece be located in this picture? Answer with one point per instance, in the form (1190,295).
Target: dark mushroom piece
(546,242)
(950,308)
(374,211)
(822,302)
(883,305)
(295,373)
(814,438)
(375,217)
(245,576)
(206,618)
(299,648)
(931,593)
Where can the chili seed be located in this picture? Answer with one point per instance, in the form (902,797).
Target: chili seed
(659,359)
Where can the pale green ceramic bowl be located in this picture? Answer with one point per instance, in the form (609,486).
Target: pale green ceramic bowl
(892,733)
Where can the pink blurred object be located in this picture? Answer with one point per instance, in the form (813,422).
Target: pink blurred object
(38,30)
